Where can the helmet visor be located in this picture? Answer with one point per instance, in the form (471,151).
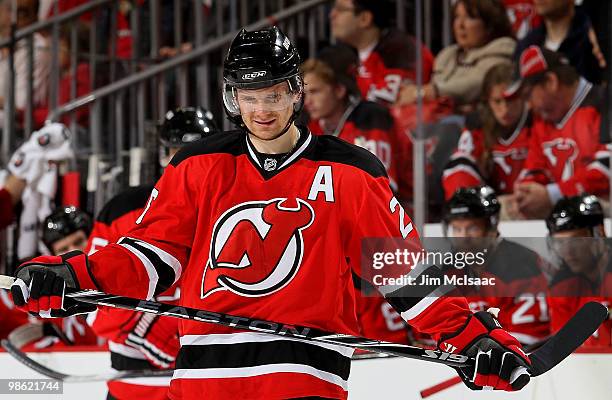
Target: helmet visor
(273,98)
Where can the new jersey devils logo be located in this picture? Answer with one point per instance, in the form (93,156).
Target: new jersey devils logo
(257,247)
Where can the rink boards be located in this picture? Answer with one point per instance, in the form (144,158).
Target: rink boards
(581,376)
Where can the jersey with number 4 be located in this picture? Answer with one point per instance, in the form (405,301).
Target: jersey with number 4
(268,238)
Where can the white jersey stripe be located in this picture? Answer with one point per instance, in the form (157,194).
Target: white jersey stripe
(165,257)
(259,370)
(425,303)
(151,271)
(161,381)
(126,351)
(250,337)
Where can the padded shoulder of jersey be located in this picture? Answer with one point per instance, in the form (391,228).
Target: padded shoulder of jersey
(330,148)
(370,115)
(126,201)
(230,142)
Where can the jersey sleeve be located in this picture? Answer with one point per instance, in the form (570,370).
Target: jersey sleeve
(594,179)
(378,214)
(535,168)
(462,170)
(152,255)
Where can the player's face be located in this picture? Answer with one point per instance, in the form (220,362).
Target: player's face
(321,100)
(344,21)
(74,241)
(469,32)
(469,234)
(266,111)
(506,111)
(577,248)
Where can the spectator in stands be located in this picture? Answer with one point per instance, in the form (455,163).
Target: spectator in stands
(387,56)
(484,39)
(567,29)
(493,147)
(577,240)
(10,194)
(565,135)
(83,82)
(334,105)
(27,14)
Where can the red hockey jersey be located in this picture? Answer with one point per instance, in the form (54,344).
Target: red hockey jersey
(466,167)
(371,126)
(563,153)
(130,334)
(279,244)
(523,16)
(390,62)
(570,291)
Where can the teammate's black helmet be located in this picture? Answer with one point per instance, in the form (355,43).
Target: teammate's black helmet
(185,125)
(63,222)
(260,59)
(473,202)
(576,212)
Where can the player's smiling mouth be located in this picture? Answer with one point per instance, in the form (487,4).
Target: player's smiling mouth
(265,122)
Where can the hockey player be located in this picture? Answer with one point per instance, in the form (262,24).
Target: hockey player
(267,221)
(565,134)
(138,341)
(493,146)
(470,222)
(66,229)
(387,56)
(577,239)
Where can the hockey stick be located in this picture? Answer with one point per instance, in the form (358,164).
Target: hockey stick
(570,337)
(60,376)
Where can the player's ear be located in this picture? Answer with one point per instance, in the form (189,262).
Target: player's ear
(365,19)
(340,91)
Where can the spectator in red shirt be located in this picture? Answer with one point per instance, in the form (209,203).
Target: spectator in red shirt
(565,139)
(387,56)
(493,146)
(83,82)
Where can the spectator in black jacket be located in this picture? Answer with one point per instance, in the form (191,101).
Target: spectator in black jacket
(567,29)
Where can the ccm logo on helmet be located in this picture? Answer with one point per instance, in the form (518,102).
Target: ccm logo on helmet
(253,75)
(257,247)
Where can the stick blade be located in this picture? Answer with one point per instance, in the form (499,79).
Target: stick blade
(571,336)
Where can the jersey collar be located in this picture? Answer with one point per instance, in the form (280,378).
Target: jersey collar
(299,149)
(584,87)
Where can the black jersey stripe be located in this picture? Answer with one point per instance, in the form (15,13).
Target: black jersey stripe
(406,297)
(253,354)
(165,272)
(120,362)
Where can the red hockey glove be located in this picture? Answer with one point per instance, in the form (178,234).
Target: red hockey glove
(501,363)
(157,338)
(41,284)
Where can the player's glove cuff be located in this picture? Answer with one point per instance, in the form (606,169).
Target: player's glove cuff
(501,362)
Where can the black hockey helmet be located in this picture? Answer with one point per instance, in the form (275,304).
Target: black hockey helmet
(63,222)
(185,125)
(577,212)
(473,202)
(260,59)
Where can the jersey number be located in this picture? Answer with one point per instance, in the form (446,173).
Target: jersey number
(521,316)
(405,229)
(153,196)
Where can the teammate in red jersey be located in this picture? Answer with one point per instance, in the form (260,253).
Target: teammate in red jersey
(267,221)
(470,221)
(565,134)
(493,147)
(387,56)
(139,341)
(577,238)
